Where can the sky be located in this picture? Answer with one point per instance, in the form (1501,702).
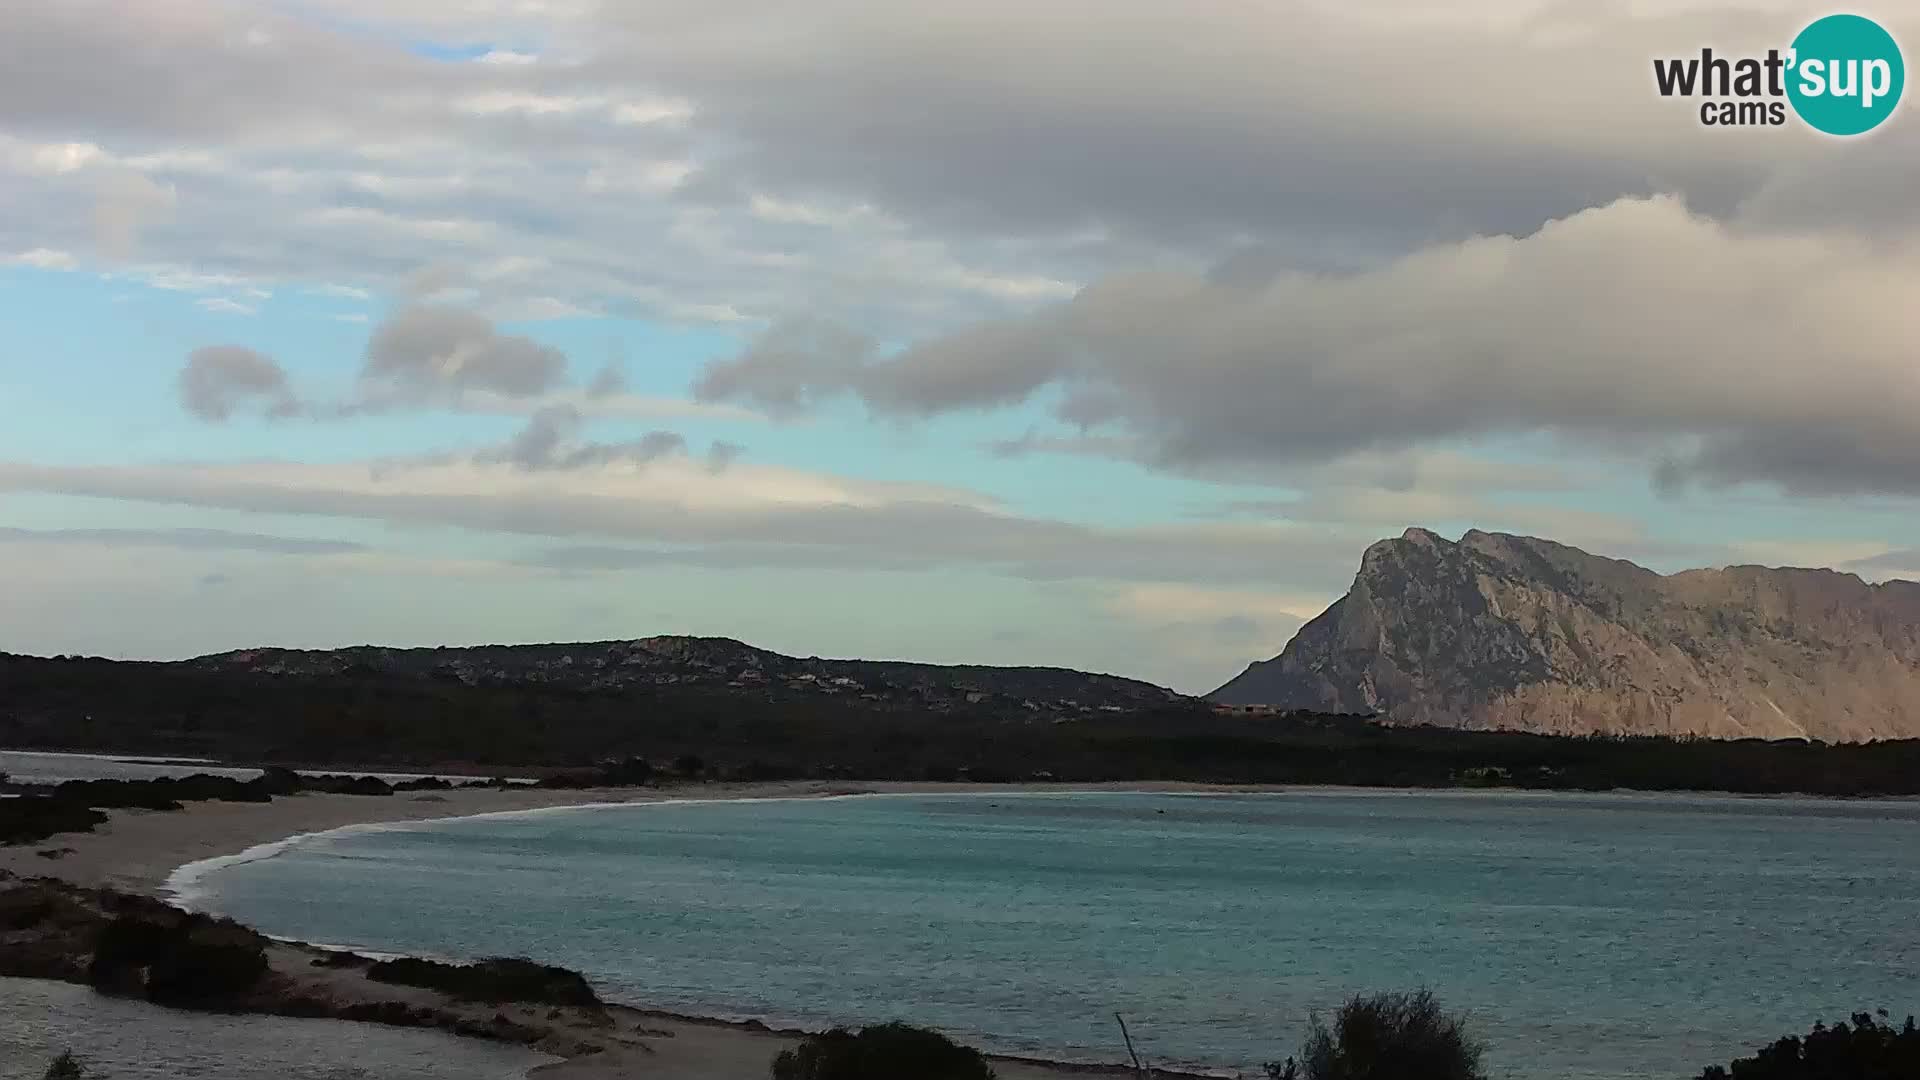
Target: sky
(1095,333)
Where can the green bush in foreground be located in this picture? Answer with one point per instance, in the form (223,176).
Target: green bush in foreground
(1397,1036)
(65,1067)
(882,1052)
(1869,1049)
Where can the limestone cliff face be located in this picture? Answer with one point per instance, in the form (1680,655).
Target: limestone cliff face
(1500,631)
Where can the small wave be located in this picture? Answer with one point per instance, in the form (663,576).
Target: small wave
(186,886)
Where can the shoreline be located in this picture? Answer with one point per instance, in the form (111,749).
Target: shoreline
(160,854)
(163,854)
(140,850)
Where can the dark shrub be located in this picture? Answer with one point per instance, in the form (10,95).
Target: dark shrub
(1386,1037)
(334,784)
(340,959)
(119,794)
(493,980)
(884,1052)
(23,907)
(125,946)
(185,960)
(571,780)
(633,772)
(32,818)
(279,780)
(65,1067)
(758,772)
(424,783)
(1868,1049)
(201,970)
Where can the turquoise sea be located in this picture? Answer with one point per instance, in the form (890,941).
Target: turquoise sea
(1604,936)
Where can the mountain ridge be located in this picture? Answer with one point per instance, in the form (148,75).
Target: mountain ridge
(689,660)
(1514,632)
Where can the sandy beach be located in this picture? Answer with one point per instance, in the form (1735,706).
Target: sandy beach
(138,851)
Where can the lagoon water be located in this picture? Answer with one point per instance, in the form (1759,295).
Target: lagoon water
(1593,937)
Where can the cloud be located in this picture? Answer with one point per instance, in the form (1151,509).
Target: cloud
(424,356)
(45,259)
(426,353)
(183,539)
(764,180)
(1903,563)
(1212,630)
(617,405)
(222,305)
(126,203)
(220,380)
(790,367)
(1548,109)
(722,454)
(676,508)
(1737,353)
(550,441)
(1186,603)
(607,382)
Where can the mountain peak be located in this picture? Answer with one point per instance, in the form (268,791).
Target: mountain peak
(1507,631)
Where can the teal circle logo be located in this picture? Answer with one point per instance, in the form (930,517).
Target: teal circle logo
(1846,75)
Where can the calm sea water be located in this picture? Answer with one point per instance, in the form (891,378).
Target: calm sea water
(131,1040)
(1589,937)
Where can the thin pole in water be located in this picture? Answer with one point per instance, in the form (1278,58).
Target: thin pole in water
(1138,1069)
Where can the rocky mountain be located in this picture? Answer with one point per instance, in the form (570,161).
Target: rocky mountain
(718,664)
(1513,632)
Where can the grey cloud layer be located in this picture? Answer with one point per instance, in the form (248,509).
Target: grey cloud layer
(901,534)
(896,164)
(184,539)
(1734,353)
(1294,121)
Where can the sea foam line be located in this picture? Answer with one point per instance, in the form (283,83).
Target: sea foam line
(185,886)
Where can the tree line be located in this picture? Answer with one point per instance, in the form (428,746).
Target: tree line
(371,720)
